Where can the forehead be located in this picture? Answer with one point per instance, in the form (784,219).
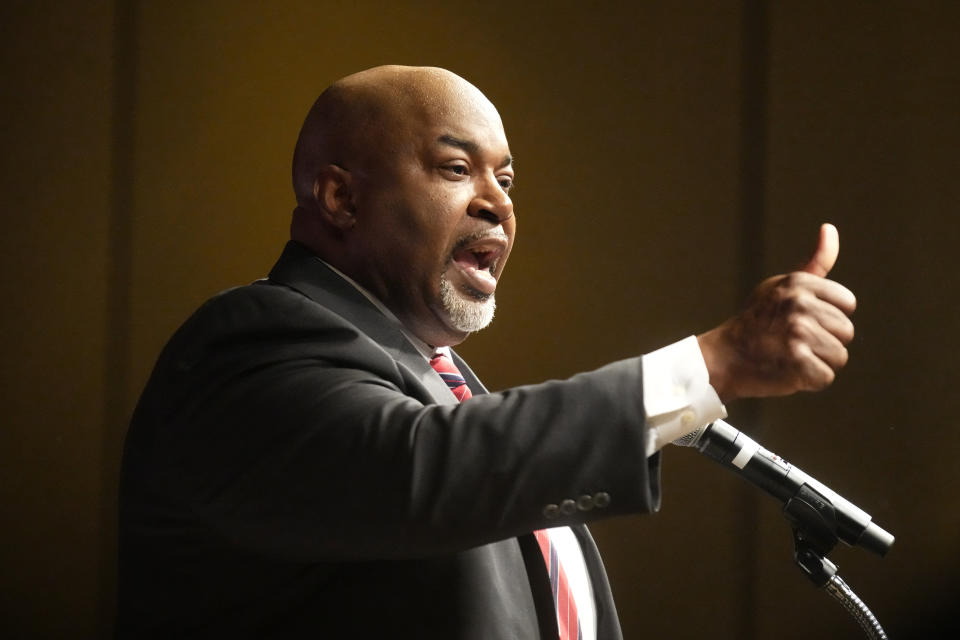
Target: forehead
(442,113)
(477,137)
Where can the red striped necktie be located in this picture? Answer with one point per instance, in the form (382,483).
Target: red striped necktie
(567,620)
(451,375)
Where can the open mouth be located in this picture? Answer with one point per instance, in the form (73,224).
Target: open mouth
(478,258)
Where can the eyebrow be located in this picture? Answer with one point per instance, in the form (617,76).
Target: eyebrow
(470,147)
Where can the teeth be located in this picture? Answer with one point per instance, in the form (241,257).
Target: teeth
(484,258)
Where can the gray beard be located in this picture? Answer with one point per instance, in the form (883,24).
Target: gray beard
(466,314)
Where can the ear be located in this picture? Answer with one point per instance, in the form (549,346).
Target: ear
(333,193)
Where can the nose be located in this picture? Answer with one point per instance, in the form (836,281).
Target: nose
(491,202)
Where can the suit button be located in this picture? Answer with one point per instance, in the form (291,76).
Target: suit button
(568,507)
(551,511)
(601,499)
(585,503)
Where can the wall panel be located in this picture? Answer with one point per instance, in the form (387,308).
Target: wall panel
(55,180)
(864,132)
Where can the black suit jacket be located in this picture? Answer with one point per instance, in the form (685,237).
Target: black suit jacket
(295,467)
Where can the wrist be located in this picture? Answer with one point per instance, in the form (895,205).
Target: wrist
(720,357)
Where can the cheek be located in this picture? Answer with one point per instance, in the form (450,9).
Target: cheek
(420,220)
(436,222)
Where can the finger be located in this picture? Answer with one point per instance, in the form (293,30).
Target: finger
(832,319)
(829,291)
(836,294)
(828,348)
(815,373)
(825,255)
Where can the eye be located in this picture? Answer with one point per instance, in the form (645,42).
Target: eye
(505,182)
(458,169)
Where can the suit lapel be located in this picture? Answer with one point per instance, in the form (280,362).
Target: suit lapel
(302,271)
(539,586)
(608,622)
(473,382)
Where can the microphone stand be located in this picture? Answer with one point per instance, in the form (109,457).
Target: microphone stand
(814,535)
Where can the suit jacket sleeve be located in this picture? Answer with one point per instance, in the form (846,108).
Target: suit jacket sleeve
(282,428)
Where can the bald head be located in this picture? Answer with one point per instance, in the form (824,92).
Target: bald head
(369,114)
(402,177)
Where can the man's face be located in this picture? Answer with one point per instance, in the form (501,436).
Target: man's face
(434,219)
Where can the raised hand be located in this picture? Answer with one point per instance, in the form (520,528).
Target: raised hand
(792,335)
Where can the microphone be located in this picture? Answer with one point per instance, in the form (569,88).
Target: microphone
(823,514)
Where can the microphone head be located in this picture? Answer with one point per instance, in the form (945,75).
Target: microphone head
(691,439)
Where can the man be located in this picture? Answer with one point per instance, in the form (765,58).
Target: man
(298,464)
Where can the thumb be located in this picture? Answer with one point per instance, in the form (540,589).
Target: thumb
(825,255)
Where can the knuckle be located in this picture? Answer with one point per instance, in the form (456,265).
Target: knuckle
(783,292)
(796,349)
(793,301)
(790,280)
(797,326)
(784,303)
(790,302)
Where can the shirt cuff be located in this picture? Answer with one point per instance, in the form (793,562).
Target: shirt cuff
(677,396)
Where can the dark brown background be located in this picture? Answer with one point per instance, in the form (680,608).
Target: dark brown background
(668,156)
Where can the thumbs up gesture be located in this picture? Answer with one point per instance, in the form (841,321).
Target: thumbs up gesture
(792,335)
